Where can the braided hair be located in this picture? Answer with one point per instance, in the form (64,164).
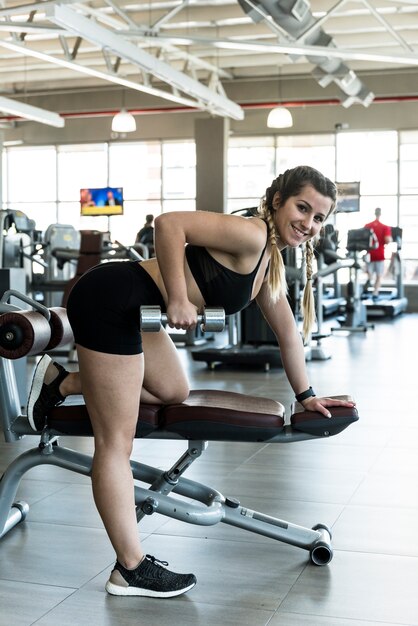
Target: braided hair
(289,184)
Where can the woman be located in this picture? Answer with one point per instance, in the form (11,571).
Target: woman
(228,261)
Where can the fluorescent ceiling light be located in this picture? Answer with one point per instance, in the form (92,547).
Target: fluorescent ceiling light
(315,51)
(123,122)
(12,142)
(29,112)
(280,117)
(299,49)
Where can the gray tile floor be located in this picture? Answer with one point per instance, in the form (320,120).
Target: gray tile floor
(362,483)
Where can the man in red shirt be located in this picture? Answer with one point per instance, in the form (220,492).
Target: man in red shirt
(376,265)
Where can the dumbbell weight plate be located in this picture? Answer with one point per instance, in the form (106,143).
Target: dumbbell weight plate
(150,319)
(214,320)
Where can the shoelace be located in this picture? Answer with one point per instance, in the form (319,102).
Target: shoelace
(156,561)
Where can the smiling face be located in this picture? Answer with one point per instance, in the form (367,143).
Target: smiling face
(301,217)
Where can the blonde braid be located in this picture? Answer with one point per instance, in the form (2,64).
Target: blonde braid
(277,274)
(308,301)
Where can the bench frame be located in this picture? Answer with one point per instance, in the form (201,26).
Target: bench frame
(208,506)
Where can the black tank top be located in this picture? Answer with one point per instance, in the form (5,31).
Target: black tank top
(219,285)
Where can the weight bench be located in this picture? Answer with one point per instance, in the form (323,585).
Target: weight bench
(207,415)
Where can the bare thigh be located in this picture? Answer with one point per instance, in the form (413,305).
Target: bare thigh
(164,377)
(111,386)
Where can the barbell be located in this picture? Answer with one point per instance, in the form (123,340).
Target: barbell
(212,319)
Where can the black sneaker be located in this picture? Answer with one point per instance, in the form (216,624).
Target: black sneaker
(149,579)
(42,397)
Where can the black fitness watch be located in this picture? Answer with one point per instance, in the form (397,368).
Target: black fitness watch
(309,393)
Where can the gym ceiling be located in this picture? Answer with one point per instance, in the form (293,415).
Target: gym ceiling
(189,52)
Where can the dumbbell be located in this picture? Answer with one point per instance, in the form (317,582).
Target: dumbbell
(212,320)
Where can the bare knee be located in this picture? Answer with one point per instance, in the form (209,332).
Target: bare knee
(177,395)
(119,443)
(168,394)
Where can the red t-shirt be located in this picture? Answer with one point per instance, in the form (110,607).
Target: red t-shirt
(381,231)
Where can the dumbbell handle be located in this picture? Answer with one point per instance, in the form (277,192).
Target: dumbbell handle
(164,319)
(213,320)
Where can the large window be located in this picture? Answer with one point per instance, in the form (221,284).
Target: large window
(79,166)
(254,162)
(32,183)
(44,182)
(315,150)
(383,163)
(178,176)
(370,158)
(408,208)
(251,167)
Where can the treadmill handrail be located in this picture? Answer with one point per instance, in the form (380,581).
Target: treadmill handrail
(334,267)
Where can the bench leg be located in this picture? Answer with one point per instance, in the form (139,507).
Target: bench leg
(209,507)
(12,512)
(317,540)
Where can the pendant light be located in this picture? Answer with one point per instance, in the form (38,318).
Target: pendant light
(279,117)
(123,122)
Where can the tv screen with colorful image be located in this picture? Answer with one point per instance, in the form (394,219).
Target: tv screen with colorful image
(101,201)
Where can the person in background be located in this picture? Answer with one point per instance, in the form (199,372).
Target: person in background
(146,234)
(376,263)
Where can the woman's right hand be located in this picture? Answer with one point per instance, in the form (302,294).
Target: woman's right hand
(182,315)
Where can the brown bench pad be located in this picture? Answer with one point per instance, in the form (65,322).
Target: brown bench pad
(320,426)
(210,414)
(224,416)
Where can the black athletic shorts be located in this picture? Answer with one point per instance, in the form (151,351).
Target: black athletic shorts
(103,307)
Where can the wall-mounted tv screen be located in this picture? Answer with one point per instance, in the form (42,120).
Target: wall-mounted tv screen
(101,201)
(348,197)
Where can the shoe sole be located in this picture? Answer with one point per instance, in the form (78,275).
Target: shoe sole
(35,390)
(117,590)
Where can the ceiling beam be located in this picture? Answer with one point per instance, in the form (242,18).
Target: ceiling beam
(29,112)
(24,9)
(205,98)
(89,71)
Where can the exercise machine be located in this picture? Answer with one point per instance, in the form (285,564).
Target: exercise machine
(318,353)
(50,283)
(355,318)
(18,237)
(17,254)
(250,343)
(207,415)
(391,301)
(326,254)
(69,253)
(328,264)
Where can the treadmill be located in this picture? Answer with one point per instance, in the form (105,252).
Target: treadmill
(392,301)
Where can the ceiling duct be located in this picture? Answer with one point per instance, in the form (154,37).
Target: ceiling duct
(295,18)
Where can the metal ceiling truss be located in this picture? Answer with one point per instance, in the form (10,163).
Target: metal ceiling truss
(118,44)
(181,87)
